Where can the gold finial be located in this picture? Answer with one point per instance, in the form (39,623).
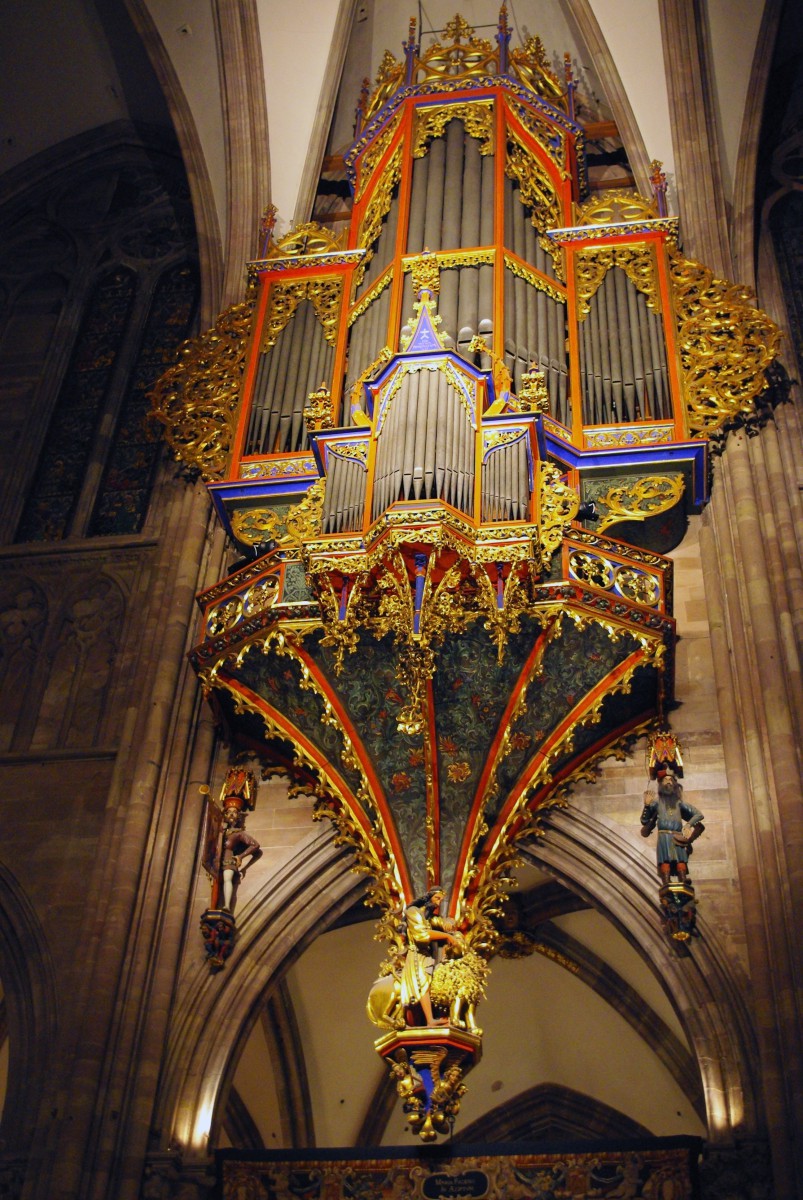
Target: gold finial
(533,391)
(458,28)
(318,410)
(426,273)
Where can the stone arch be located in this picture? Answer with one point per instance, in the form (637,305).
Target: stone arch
(595,861)
(217,1012)
(30,996)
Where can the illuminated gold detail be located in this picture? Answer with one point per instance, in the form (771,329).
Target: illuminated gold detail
(456,258)
(378,208)
(224,617)
(356,451)
(198,399)
(637,586)
(640,499)
(533,394)
(559,505)
(373,154)
(388,78)
(325,295)
(530,64)
(549,137)
(638,262)
(492,439)
(725,344)
(458,61)
(304,520)
(253,525)
(375,290)
(633,435)
(261,595)
(614,207)
(426,274)
(531,276)
(318,409)
(537,191)
(503,382)
(310,238)
(477,117)
(291,467)
(591,568)
(384,356)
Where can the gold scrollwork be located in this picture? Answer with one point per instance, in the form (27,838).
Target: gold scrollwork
(388,79)
(640,499)
(373,154)
(355,451)
(632,435)
(458,60)
(537,191)
(591,568)
(197,400)
(529,275)
(261,595)
(224,617)
(549,137)
(637,586)
(725,344)
(325,295)
(477,117)
(304,520)
(253,525)
(494,439)
(638,262)
(375,290)
(456,258)
(615,207)
(309,238)
(378,208)
(530,64)
(559,505)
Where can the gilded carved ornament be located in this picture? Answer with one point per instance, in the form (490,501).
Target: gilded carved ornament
(378,208)
(324,294)
(373,154)
(318,409)
(477,117)
(309,238)
(537,191)
(468,56)
(638,262)
(197,400)
(726,345)
(530,64)
(615,207)
(531,276)
(551,139)
(639,499)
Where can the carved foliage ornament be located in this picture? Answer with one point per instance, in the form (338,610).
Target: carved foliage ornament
(725,344)
(637,262)
(325,296)
(640,498)
(197,400)
(477,117)
(537,191)
(378,208)
(373,154)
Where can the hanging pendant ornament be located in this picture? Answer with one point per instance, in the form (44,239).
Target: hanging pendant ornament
(679,824)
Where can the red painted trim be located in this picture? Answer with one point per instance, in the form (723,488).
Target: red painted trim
(365,762)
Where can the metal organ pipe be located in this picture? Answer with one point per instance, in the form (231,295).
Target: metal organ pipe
(622,356)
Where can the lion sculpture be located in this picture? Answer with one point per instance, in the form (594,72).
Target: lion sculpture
(458,985)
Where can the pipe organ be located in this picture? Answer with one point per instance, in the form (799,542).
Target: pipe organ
(400,427)
(478,165)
